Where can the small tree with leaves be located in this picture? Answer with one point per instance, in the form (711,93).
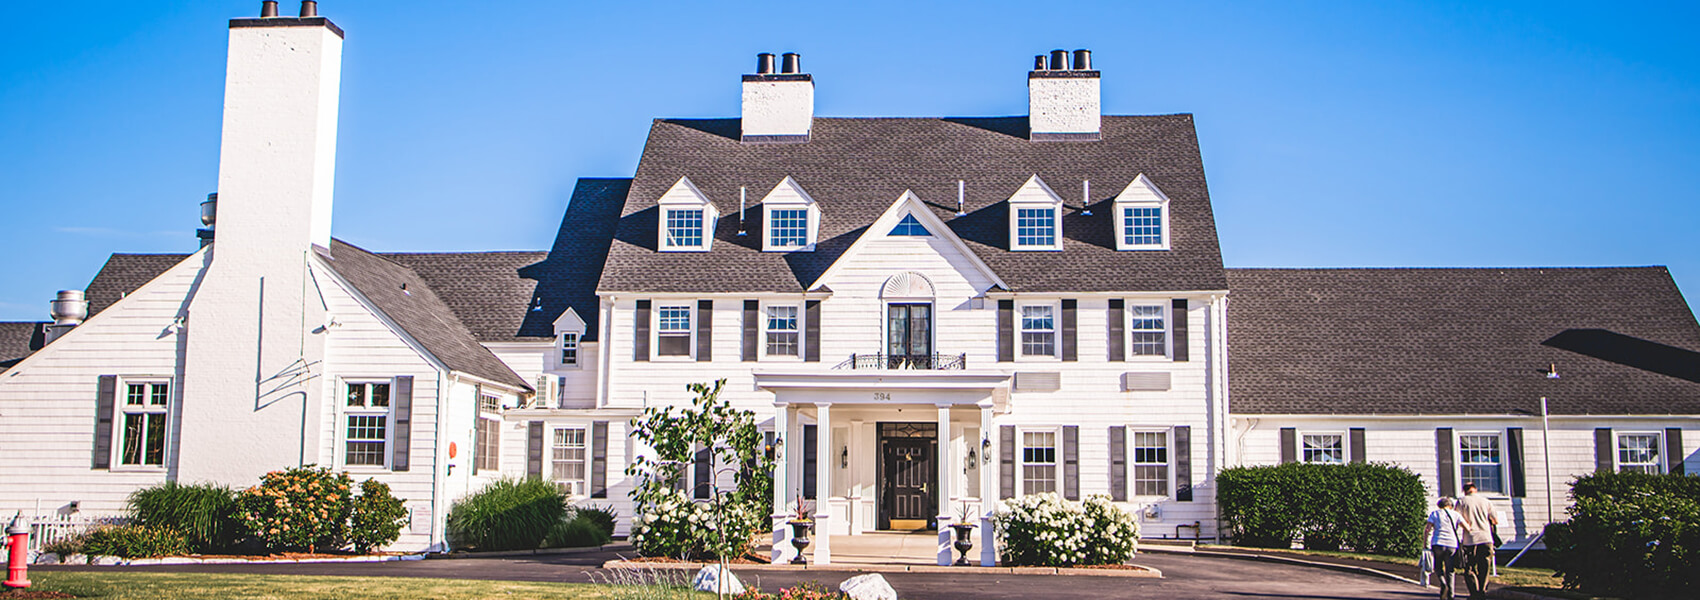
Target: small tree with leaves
(726,525)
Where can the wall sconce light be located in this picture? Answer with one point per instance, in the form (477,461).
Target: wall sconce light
(973,456)
(844,457)
(986,450)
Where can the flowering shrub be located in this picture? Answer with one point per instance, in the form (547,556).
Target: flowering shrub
(1046,530)
(808,590)
(377,517)
(667,522)
(673,525)
(300,508)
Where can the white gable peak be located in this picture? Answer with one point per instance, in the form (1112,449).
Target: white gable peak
(908,205)
(569,322)
(685,220)
(790,218)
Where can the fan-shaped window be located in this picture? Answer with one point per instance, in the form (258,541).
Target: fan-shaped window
(910,227)
(907,285)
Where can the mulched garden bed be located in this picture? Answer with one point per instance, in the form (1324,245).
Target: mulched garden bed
(24,594)
(742,560)
(1111,567)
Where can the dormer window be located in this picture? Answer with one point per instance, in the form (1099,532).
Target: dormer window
(792,217)
(569,349)
(1035,217)
(1142,216)
(909,226)
(569,334)
(687,219)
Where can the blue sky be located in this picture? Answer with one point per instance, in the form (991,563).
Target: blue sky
(1334,134)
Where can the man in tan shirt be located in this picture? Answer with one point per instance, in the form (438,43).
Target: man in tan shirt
(1479,523)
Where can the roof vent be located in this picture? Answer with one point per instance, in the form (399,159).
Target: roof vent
(209,209)
(70,308)
(309,8)
(268,9)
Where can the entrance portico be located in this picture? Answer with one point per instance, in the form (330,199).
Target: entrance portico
(894,449)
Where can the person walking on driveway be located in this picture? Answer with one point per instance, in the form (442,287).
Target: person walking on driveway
(1479,524)
(1443,529)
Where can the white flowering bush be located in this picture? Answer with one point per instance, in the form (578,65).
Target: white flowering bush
(727,523)
(1046,530)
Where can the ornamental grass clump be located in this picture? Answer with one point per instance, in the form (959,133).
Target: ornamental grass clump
(304,508)
(205,514)
(134,541)
(508,514)
(1044,530)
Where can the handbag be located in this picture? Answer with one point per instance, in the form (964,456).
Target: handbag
(1495,532)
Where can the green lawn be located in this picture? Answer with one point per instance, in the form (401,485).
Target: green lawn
(194,586)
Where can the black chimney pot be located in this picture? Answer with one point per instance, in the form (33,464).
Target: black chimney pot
(764,63)
(1039,62)
(793,63)
(309,8)
(268,9)
(1059,60)
(1082,60)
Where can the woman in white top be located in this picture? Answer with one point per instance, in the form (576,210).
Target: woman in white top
(1443,530)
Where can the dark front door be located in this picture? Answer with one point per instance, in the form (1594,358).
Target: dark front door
(907,481)
(909,335)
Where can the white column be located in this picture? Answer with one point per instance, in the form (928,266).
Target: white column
(852,477)
(825,462)
(989,491)
(782,550)
(946,453)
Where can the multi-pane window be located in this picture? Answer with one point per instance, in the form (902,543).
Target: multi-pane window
(1038,331)
(1036,227)
(1142,226)
(1638,453)
(1148,333)
(1038,462)
(1325,448)
(567,460)
(1479,462)
(489,433)
(146,406)
(788,227)
(684,228)
(673,330)
(909,226)
(781,331)
(366,414)
(569,348)
(1150,463)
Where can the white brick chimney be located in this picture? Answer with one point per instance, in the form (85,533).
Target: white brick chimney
(1063,99)
(248,386)
(779,106)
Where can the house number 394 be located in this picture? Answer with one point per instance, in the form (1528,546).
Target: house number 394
(882,396)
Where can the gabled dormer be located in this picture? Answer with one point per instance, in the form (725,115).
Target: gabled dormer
(569,334)
(1035,217)
(1142,216)
(790,219)
(686,219)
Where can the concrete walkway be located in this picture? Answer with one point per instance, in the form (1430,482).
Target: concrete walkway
(886,548)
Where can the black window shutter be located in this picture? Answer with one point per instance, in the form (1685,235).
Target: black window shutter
(640,331)
(1446,457)
(1117,333)
(1006,468)
(402,403)
(1356,440)
(752,328)
(811,331)
(1071,462)
(1069,330)
(599,459)
(701,473)
(1674,455)
(1118,463)
(1178,315)
(1603,451)
(809,461)
(1183,463)
(1289,445)
(534,450)
(1006,330)
(1514,459)
(105,397)
(705,330)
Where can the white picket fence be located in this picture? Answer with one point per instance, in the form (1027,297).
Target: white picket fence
(52,527)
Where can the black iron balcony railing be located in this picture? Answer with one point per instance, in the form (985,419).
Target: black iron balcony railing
(910,362)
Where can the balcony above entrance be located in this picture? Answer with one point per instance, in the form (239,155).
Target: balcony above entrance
(905,362)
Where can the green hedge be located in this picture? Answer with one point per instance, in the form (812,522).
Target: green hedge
(1631,535)
(1373,508)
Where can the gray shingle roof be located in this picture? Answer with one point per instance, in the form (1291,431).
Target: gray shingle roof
(1456,341)
(855,169)
(19,339)
(125,273)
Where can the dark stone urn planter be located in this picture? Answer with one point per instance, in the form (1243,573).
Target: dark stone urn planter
(800,539)
(964,542)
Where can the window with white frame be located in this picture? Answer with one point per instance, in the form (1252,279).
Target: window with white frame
(569,349)
(567,460)
(788,227)
(366,415)
(1148,333)
(1481,462)
(1150,463)
(1324,448)
(673,330)
(1038,461)
(1038,330)
(1142,216)
(1142,226)
(147,407)
(910,227)
(1035,227)
(1638,453)
(489,433)
(684,227)
(782,330)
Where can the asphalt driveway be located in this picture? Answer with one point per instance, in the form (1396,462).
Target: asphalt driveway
(1184,577)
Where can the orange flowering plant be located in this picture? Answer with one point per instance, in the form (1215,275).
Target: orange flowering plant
(303,508)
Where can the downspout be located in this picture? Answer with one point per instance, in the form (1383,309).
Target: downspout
(437,470)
